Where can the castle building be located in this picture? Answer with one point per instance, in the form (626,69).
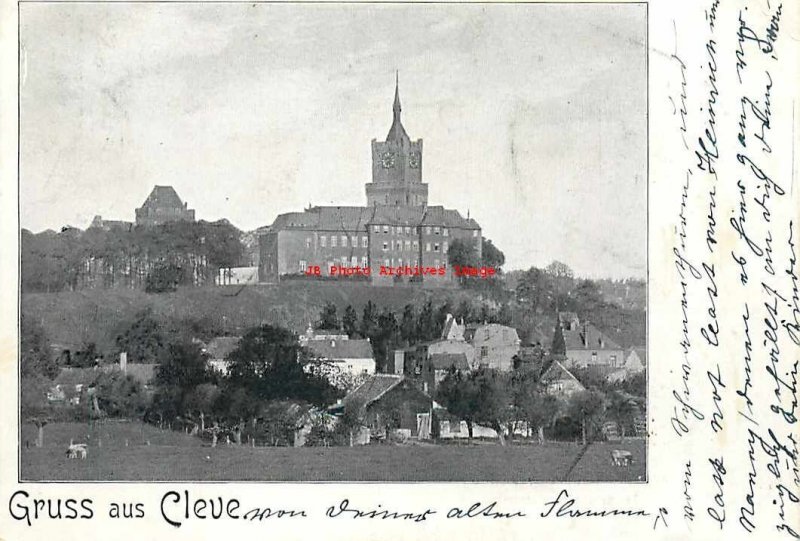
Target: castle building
(397,228)
(161,206)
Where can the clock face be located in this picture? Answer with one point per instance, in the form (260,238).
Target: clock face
(387,159)
(414,160)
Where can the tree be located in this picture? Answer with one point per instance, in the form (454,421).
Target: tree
(201,399)
(120,395)
(34,348)
(493,399)
(462,253)
(622,408)
(144,340)
(369,320)
(587,408)
(559,347)
(350,321)
(328,319)
(33,403)
(426,326)
(408,328)
(458,393)
(491,256)
(537,408)
(269,364)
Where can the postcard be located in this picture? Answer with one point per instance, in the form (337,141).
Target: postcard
(399,270)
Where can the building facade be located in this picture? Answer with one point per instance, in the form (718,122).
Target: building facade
(396,229)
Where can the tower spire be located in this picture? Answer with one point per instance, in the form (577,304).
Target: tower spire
(396,107)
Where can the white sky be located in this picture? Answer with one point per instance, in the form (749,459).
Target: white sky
(532,116)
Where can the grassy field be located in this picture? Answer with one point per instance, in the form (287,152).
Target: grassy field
(96,315)
(155,455)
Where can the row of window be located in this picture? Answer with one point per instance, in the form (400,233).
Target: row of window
(401,230)
(336,239)
(354,262)
(341,240)
(412,246)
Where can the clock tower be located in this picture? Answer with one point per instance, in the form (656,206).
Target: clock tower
(397,166)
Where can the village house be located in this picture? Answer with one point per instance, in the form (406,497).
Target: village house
(633,364)
(587,346)
(344,362)
(495,345)
(558,381)
(390,404)
(218,349)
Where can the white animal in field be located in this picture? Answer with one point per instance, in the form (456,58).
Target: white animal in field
(620,457)
(76,450)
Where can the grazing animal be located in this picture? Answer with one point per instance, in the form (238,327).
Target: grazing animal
(621,458)
(76,450)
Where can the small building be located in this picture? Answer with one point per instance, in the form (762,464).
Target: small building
(163,206)
(352,357)
(495,346)
(586,345)
(386,403)
(237,276)
(559,381)
(107,225)
(218,350)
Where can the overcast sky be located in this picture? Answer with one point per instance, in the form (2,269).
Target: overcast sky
(533,117)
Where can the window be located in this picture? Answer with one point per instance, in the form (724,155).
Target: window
(594,357)
(416,245)
(475,233)
(364,242)
(385,246)
(408,246)
(444,247)
(303,265)
(376,228)
(323,241)
(344,260)
(354,242)
(408,230)
(435,246)
(344,241)
(415,231)
(484,351)
(385,228)
(333,241)
(400,262)
(435,230)
(386,263)
(435,262)
(364,261)
(427,246)
(308,242)
(614,361)
(428,230)
(354,261)
(445,232)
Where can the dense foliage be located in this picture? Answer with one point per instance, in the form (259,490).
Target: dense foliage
(156,258)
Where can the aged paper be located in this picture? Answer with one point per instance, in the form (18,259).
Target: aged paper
(650,144)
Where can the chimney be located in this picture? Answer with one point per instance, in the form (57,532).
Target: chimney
(123,361)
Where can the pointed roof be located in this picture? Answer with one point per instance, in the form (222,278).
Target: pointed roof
(557,371)
(163,197)
(397,132)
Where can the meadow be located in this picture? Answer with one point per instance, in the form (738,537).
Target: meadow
(132,451)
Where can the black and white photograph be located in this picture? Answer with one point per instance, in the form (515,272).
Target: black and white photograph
(323,242)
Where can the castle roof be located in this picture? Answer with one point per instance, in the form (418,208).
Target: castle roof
(163,197)
(397,132)
(347,219)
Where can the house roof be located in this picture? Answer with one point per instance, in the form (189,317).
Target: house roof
(556,371)
(493,329)
(144,373)
(354,219)
(340,349)
(444,361)
(222,346)
(641,352)
(163,197)
(371,390)
(74,376)
(588,336)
